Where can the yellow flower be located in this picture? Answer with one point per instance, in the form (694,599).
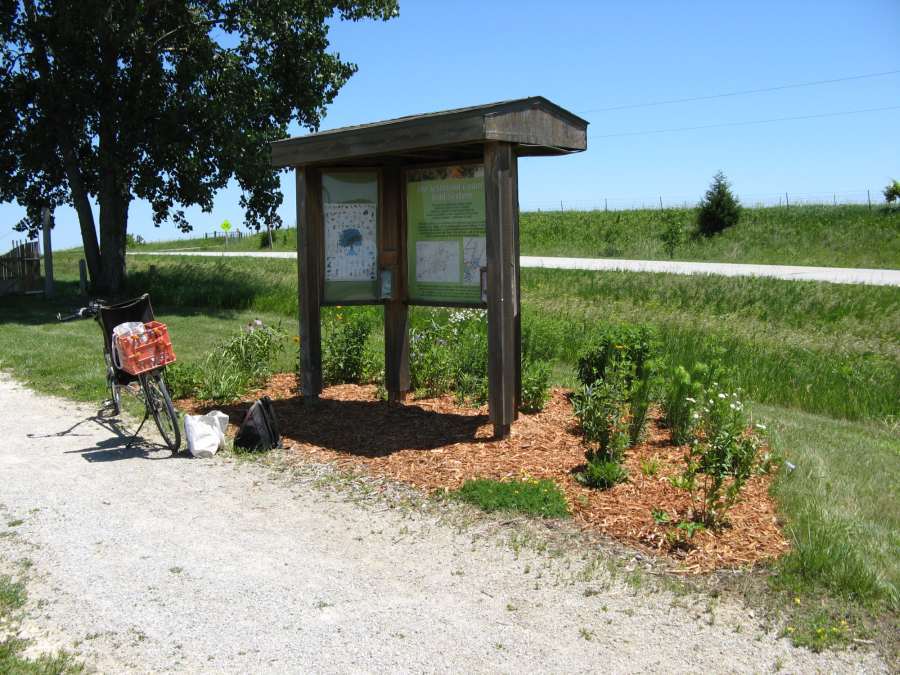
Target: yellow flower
(296,339)
(796,601)
(790,629)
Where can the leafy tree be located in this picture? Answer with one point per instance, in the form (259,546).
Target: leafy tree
(719,208)
(892,192)
(108,101)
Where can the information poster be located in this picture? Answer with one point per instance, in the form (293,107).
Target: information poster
(350,212)
(445,234)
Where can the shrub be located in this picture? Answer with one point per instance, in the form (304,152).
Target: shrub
(892,192)
(672,235)
(719,209)
(603,412)
(344,353)
(721,459)
(254,348)
(535,386)
(539,497)
(630,350)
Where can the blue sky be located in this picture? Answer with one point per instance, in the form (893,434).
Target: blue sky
(589,55)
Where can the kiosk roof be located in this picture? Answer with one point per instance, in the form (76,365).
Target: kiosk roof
(535,125)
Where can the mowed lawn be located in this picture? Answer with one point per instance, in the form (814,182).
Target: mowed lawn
(822,362)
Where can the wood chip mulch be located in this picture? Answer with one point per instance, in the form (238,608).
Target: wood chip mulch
(436,444)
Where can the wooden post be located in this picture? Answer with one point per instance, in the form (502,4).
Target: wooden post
(48,253)
(396,312)
(82,277)
(500,191)
(310,232)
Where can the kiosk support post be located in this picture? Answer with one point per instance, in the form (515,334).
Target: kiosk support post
(310,231)
(396,312)
(501,212)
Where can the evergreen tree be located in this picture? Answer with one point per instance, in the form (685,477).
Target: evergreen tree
(719,208)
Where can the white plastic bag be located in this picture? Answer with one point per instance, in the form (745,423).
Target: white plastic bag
(127,328)
(205,433)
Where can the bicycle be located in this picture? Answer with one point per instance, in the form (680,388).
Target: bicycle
(152,391)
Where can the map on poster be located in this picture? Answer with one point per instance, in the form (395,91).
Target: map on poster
(445,234)
(350,242)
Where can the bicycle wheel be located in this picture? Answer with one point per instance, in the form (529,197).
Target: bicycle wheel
(159,403)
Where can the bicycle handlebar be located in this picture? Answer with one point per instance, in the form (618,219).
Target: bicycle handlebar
(91,310)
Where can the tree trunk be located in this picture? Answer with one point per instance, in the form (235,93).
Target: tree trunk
(113,230)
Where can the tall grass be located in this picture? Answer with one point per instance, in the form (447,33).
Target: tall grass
(841,236)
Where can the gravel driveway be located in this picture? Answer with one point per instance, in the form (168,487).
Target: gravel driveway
(146,563)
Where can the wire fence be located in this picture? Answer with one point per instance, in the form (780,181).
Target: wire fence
(870,198)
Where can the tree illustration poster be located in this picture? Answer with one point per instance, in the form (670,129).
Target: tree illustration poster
(445,234)
(350,213)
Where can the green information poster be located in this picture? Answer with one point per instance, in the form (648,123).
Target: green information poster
(445,234)
(350,211)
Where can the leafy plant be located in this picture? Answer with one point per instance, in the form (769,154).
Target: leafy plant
(629,350)
(539,497)
(650,467)
(721,458)
(601,473)
(451,355)
(535,386)
(672,235)
(603,413)
(344,349)
(719,209)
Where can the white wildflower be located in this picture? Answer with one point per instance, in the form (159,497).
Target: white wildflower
(721,395)
(692,400)
(761,426)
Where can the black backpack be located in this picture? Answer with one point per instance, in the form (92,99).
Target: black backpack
(259,430)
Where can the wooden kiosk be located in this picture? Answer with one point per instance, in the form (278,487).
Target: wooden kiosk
(421,210)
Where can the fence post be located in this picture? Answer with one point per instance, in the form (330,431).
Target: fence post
(48,253)
(82,277)
(787,202)
(660,203)
(869,199)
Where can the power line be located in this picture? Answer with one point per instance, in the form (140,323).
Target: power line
(740,93)
(746,123)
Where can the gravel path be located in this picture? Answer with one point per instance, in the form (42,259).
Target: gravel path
(144,563)
(836,275)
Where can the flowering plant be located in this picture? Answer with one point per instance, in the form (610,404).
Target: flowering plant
(722,455)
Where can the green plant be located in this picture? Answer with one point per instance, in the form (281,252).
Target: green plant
(719,209)
(535,386)
(451,356)
(892,192)
(344,349)
(253,349)
(538,497)
(721,458)
(630,351)
(602,411)
(660,517)
(649,467)
(672,235)
(601,473)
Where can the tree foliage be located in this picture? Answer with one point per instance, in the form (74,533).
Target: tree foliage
(107,101)
(719,209)
(892,192)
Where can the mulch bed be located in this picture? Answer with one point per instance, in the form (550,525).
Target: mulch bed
(436,444)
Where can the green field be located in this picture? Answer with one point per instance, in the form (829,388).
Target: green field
(821,361)
(830,236)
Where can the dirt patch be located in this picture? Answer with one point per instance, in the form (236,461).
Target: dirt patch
(435,444)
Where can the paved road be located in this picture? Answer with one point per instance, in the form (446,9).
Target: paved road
(145,563)
(837,275)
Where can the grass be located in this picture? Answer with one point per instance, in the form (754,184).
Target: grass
(821,360)
(12,600)
(831,349)
(536,497)
(840,236)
